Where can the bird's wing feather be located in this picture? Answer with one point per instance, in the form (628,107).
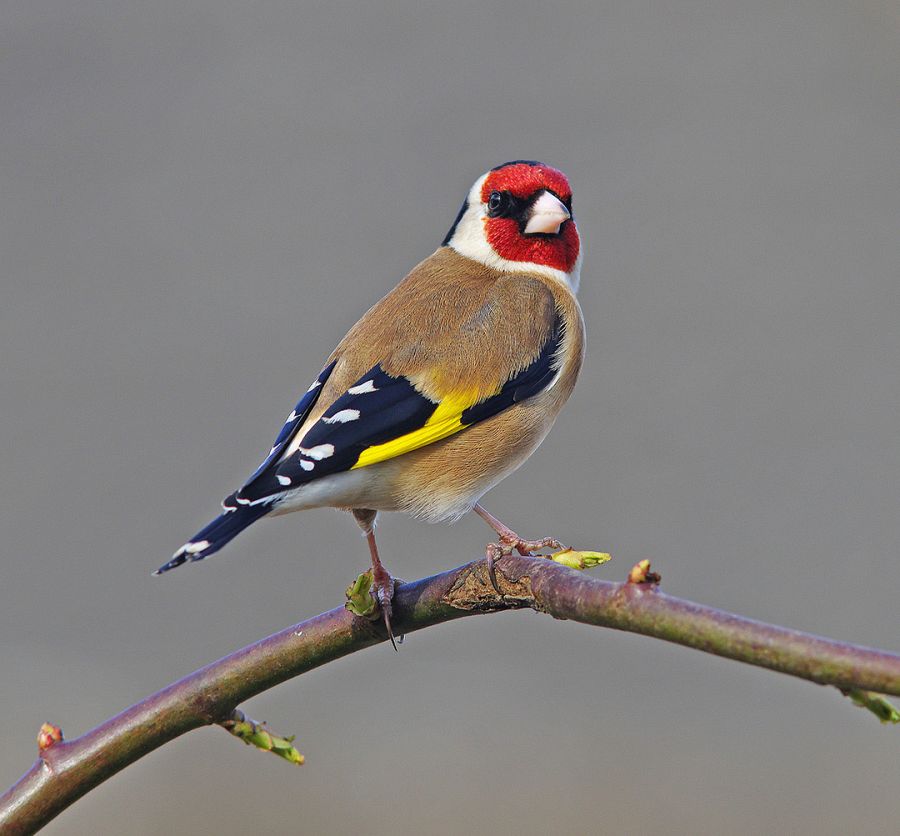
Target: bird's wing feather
(383,416)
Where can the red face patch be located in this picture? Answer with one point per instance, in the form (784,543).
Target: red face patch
(523,180)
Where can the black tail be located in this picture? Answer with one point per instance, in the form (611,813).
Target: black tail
(220,531)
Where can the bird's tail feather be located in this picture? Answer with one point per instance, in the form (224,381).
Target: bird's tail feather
(220,531)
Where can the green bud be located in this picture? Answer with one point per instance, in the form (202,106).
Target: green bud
(359,597)
(875,703)
(579,559)
(256,734)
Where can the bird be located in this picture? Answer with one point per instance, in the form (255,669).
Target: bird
(444,387)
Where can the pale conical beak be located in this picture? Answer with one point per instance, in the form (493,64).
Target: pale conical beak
(547,215)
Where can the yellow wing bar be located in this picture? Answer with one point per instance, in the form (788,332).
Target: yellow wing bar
(444,421)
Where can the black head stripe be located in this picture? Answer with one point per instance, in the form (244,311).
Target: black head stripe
(462,211)
(519,162)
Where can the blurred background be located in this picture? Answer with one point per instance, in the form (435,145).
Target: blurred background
(198,199)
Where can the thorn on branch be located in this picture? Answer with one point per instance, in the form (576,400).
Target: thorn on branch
(48,736)
(875,703)
(258,735)
(640,573)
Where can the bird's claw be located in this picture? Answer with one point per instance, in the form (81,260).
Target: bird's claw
(526,548)
(383,587)
(512,542)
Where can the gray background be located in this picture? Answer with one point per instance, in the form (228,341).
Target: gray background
(197,201)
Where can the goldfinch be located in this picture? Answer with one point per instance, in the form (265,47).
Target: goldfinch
(445,386)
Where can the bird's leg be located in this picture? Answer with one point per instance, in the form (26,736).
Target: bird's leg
(383,583)
(384,586)
(509,541)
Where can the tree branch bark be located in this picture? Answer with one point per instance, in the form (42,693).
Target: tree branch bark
(68,769)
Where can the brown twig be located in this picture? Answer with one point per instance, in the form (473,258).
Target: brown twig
(68,769)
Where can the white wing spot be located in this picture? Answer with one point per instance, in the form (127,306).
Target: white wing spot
(362,388)
(283,480)
(306,465)
(319,452)
(342,417)
(199,546)
(314,385)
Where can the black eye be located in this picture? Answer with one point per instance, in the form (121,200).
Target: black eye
(498,204)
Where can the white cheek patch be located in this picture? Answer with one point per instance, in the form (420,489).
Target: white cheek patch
(344,416)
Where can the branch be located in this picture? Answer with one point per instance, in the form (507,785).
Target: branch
(66,770)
